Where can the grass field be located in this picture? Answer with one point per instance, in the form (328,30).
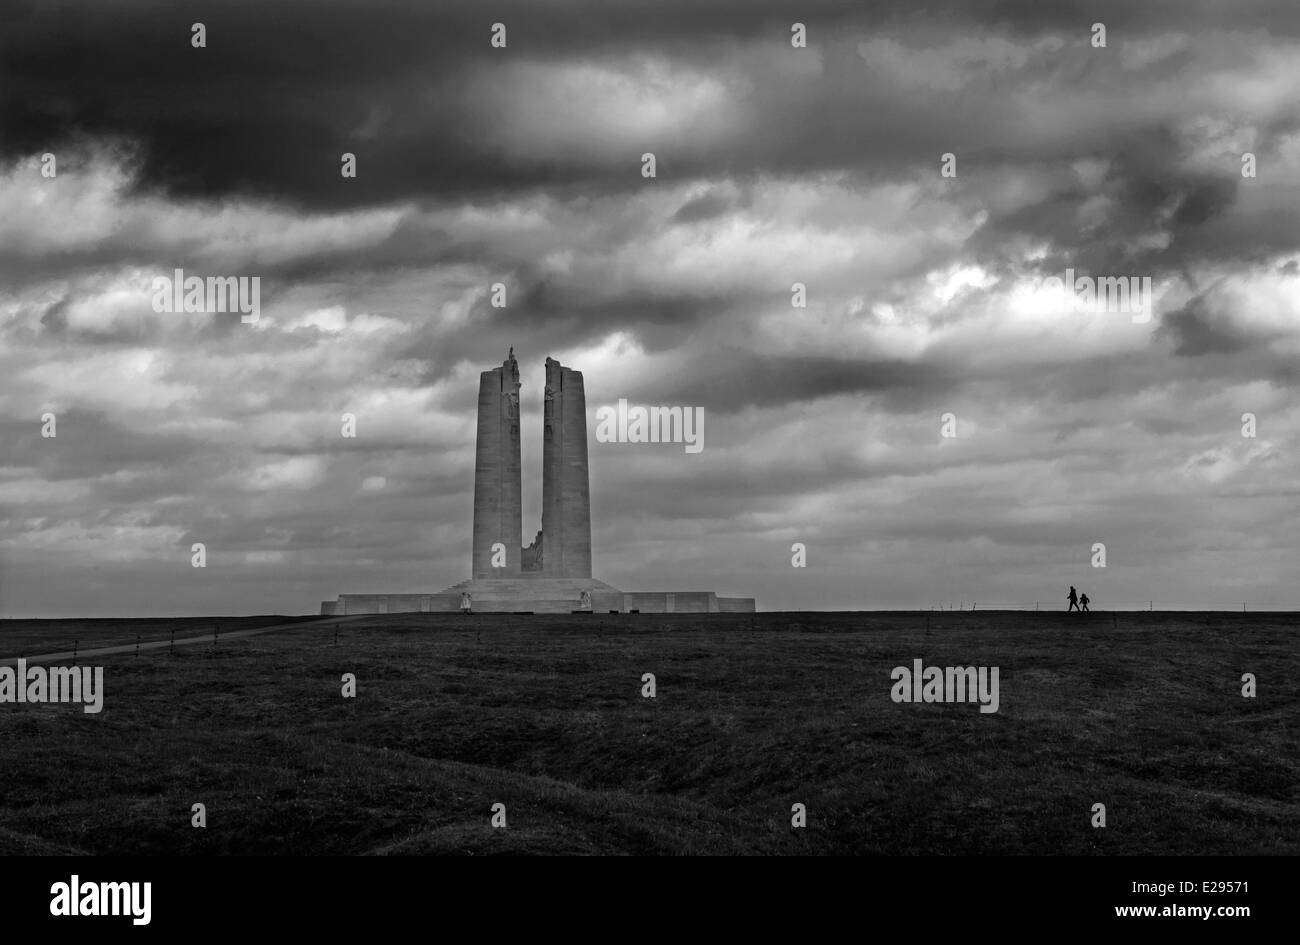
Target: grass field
(1140,712)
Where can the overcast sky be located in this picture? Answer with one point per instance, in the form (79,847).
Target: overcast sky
(775,165)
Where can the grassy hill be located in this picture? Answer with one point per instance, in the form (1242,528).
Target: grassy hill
(1140,712)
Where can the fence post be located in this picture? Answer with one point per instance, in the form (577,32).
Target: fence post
(137,644)
(171,647)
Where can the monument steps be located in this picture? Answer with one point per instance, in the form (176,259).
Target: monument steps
(539,595)
(531,588)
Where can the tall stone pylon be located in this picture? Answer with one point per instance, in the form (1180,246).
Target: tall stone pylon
(498,473)
(566,493)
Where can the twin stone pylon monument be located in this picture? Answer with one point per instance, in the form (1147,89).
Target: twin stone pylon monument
(553,573)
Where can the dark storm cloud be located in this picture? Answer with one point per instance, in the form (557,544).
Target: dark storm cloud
(552,301)
(1142,184)
(733,379)
(284,88)
(706,206)
(89,443)
(1196,330)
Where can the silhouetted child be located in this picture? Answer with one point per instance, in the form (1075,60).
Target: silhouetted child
(1083,601)
(1074,600)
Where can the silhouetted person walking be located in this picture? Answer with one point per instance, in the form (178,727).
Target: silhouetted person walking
(1083,602)
(1074,600)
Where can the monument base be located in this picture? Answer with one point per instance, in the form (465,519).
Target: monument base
(539,596)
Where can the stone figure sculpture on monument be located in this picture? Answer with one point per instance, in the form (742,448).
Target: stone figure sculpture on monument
(531,559)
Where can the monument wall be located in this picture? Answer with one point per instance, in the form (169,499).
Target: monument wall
(530,596)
